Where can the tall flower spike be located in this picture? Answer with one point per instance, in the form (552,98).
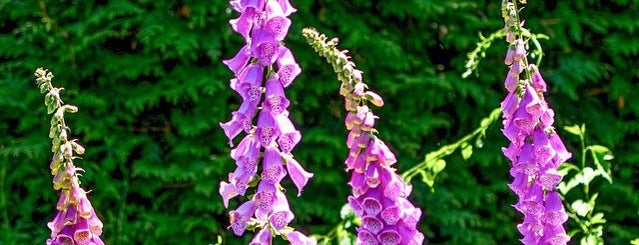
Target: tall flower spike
(262,69)
(76,221)
(535,149)
(379,196)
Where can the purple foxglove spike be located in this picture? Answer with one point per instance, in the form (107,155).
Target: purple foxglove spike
(391,215)
(349,122)
(520,50)
(549,179)
(532,230)
(266,131)
(372,224)
(249,83)
(250,17)
(555,214)
(555,236)
(239,61)
(227,191)
(297,238)
(389,237)
(96,241)
(266,52)
(288,69)
(281,215)
(299,176)
(82,234)
(263,237)
(273,171)
(562,154)
(264,199)
(538,81)
(275,100)
(373,175)
(286,6)
(366,238)
(369,122)
(239,218)
(378,151)
(371,206)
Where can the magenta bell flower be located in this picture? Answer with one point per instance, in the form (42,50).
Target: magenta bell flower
(262,69)
(535,150)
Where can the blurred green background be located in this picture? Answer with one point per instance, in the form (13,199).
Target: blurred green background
(148,79)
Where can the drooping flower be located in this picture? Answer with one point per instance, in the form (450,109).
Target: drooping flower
(262,69)
(379,195)
(535,149)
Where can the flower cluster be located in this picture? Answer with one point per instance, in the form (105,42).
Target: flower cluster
(380,196)
(76,221)
(262,69)
(535,149)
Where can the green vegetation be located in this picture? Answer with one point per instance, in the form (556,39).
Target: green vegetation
(149,80)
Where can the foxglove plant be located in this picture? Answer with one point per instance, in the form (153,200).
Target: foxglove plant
(262,69)
(379,196)
(76,221)
(535,149)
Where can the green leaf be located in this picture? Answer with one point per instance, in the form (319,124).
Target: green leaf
(581,208)
(574,129)
(588,175)
(601,156)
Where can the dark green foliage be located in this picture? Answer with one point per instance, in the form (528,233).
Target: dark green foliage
(151,89)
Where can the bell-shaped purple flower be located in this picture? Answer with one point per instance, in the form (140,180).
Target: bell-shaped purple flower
(275,100)
(298,238)
(239,218)
(299,176)
(263,237)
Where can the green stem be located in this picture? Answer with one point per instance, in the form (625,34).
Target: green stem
(449,149)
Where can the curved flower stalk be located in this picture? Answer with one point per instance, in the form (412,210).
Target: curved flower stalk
(263,68)
(380,196)
(76,222)
(535,149)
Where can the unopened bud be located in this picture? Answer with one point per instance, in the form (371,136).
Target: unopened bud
(77,148)
(70,108)
(374,98)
